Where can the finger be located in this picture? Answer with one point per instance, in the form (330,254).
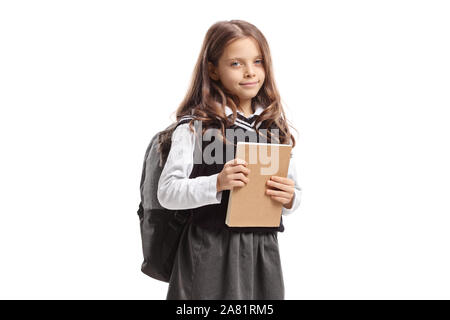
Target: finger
(237,183)
(279,199)
(230,163)
(283,187)
(238,161)
(280,194)
(235,162)
(239,176)
(239,168)
(283,180)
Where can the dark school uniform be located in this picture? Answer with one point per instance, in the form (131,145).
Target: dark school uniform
(214,261)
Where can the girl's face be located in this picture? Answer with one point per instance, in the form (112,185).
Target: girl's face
(240,63)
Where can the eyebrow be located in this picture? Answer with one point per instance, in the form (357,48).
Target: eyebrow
(237,58)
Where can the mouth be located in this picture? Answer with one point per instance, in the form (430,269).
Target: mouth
(249,84)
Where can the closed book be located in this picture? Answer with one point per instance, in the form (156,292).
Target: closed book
(250,206)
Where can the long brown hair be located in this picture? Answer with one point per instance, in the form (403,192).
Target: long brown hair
(206,98)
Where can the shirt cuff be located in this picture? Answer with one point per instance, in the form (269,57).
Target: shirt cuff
(212,194)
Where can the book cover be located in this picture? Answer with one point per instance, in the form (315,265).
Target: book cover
(249,206)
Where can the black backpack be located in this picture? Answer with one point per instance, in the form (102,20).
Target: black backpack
(161,228)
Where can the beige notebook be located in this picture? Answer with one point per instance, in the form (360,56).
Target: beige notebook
(249,206)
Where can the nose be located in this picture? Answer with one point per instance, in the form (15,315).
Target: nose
(249,72)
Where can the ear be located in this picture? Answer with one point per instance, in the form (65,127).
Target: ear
(212,71)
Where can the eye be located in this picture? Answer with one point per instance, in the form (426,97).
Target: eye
(257,61)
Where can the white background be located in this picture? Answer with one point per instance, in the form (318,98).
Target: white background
(84,85)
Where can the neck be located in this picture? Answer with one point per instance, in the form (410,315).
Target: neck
(246,107)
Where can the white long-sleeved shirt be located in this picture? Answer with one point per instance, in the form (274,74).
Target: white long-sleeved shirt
(176,191)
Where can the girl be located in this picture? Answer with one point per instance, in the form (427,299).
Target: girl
(232,88)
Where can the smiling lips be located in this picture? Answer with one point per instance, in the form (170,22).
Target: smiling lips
(249,84)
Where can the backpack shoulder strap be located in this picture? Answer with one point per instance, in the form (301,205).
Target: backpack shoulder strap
(185,119)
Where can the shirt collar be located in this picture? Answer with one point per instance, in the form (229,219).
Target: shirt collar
(258,110)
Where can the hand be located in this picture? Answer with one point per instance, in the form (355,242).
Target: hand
(282,190)
(233,174)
